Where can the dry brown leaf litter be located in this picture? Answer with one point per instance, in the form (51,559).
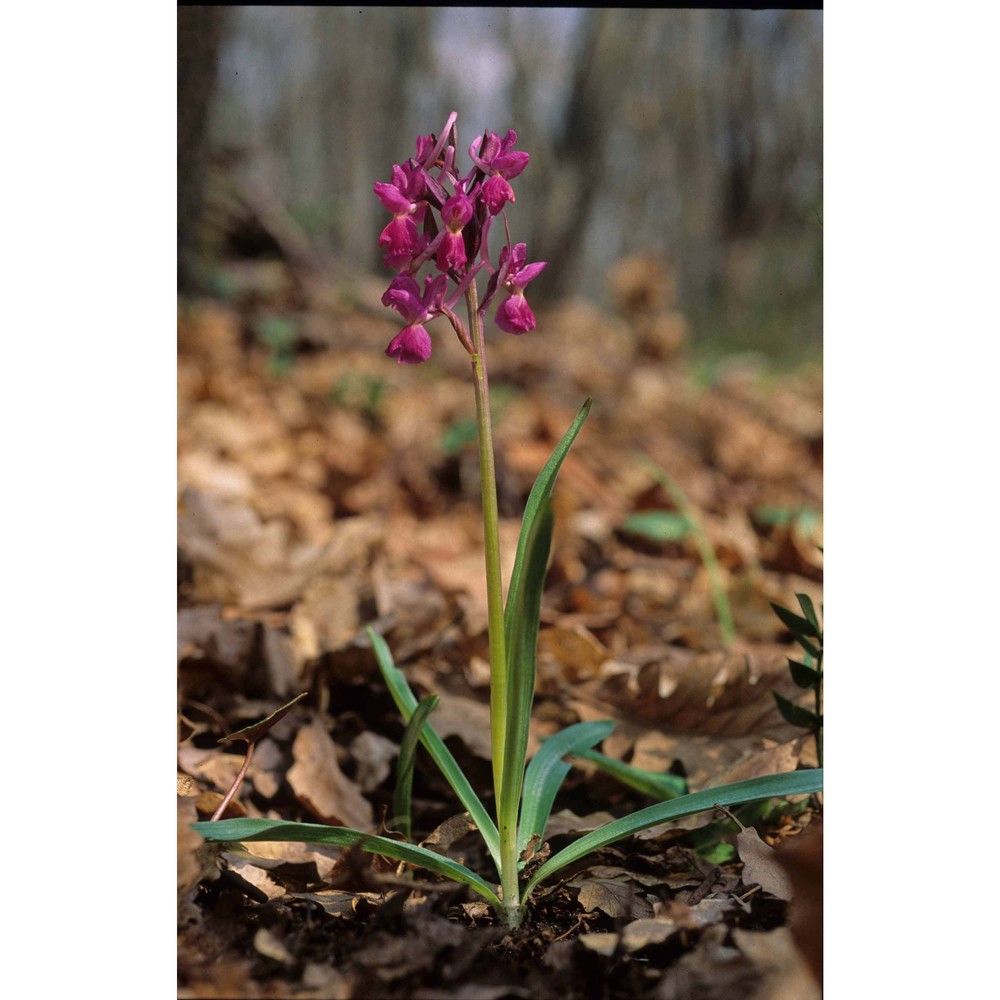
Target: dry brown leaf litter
(309,508)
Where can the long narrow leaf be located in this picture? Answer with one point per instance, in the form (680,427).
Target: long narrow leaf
(799,627)
(793,783)
(247,830)
(540,493)
(516,689)
(406,763)
(522,645)
(406,702)
(804,676)
(809,610)
(656,786)
(795,714)
(547,770)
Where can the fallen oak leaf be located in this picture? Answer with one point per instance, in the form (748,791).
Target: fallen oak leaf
(321,786)
(616,898)
(760,862)
(452,829)
(761,865)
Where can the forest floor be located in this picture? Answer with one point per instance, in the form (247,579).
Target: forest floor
(324,488)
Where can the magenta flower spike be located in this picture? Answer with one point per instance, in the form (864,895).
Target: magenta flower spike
(495,157)
(443,215)
(514,315)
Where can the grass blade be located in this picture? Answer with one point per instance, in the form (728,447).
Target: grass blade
(406,702)
(656,786)
(249,830)
(547,770)
(403,795)
(770,786)
(717,580)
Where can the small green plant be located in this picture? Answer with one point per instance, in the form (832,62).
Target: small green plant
(676,526)
(361,393)
(524,791)
(405,764)
(808,675)
(279,334)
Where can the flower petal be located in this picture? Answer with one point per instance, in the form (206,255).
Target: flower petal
(511,164)
(528,272)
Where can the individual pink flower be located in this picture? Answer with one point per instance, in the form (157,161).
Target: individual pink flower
(455,213)
(404,198)
(495,157)
(514,315)
(413,343)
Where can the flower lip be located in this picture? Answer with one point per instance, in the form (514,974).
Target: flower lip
(496,193)
(401,240)
(410,346)
(451,254)
(514,315)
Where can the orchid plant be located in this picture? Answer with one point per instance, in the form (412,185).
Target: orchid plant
(444,217)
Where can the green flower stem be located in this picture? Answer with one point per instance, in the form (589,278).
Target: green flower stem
(494,592)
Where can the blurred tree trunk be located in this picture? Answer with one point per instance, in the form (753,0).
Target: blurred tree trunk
(579,151)
(199,37)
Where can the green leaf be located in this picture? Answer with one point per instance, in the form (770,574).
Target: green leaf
(816,654)
(658,525)
(805,519)
(656,786)
(522,645)
(403,794)
(795,714)
(248,830)
(540,494)
(793,783)
(517,688)
(547,770)
(803,675)
(717,853)
(806,604)
(406,702)
(796,625)
(457,435)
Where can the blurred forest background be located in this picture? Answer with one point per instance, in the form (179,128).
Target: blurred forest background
(692,136)
(675,190)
